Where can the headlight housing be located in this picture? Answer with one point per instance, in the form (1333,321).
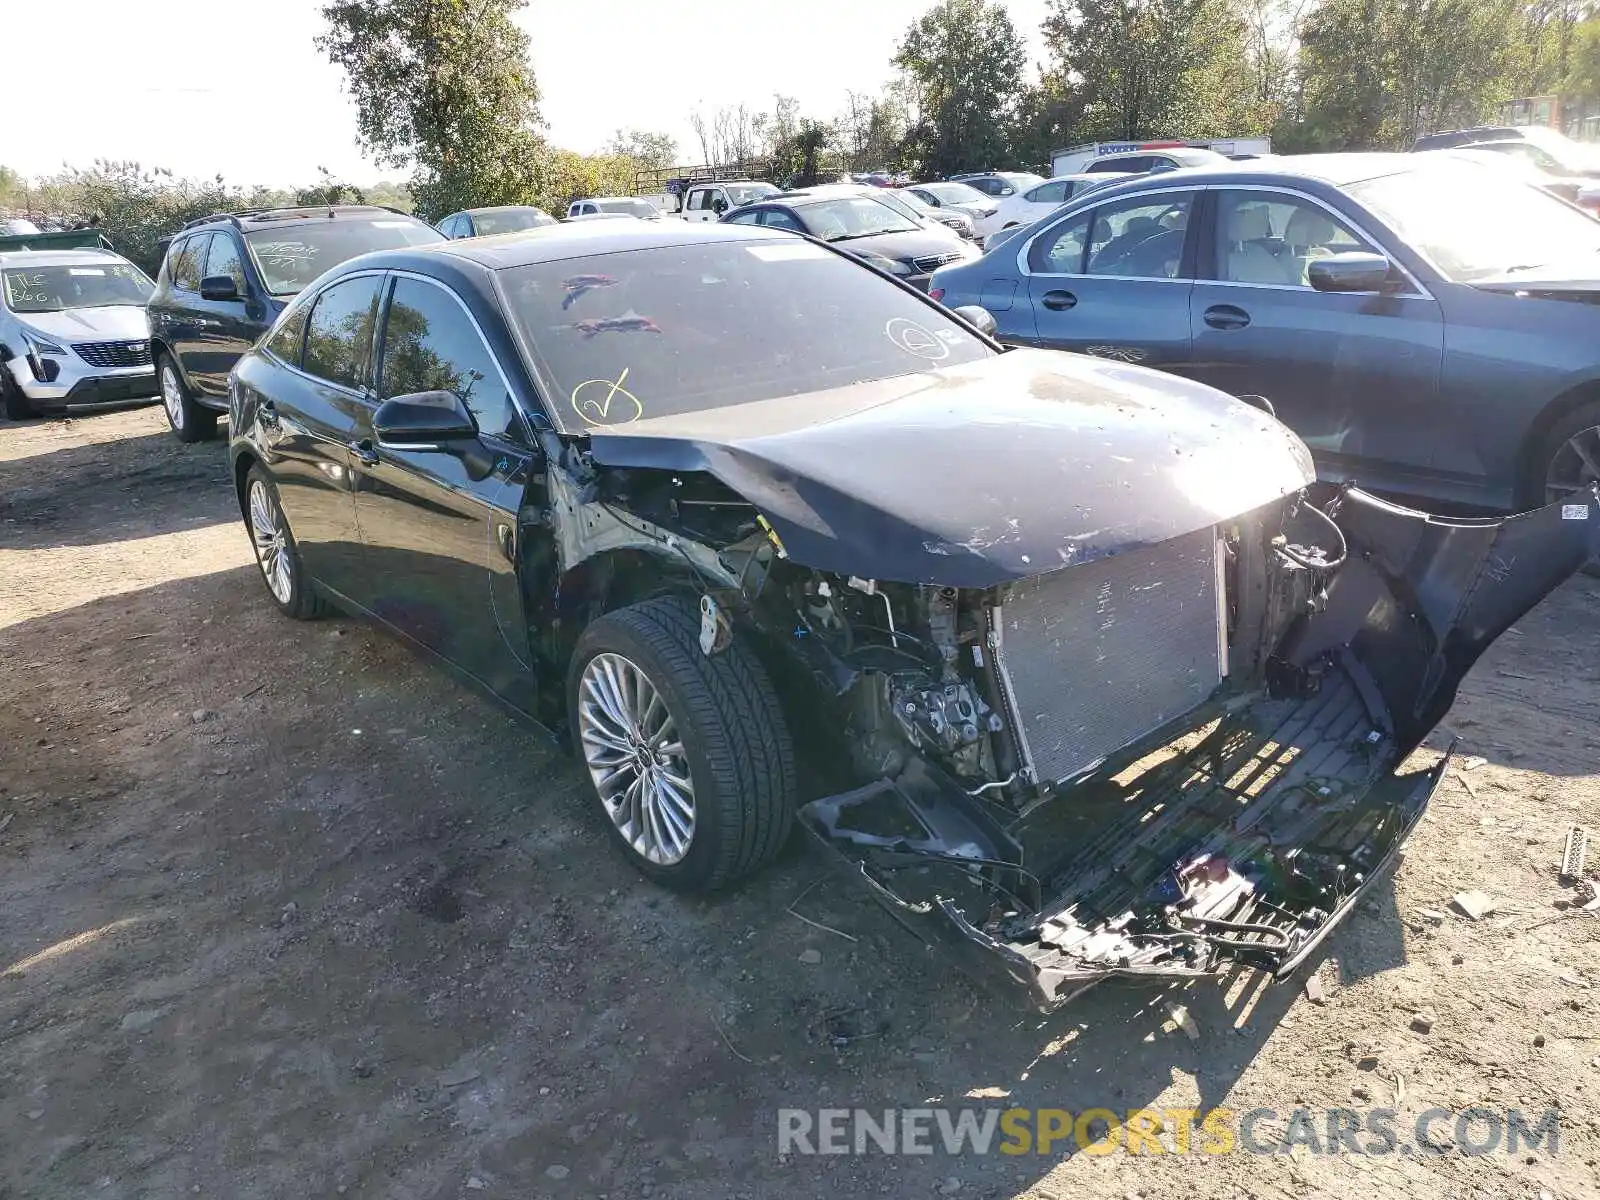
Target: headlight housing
(42,344)
(885,264)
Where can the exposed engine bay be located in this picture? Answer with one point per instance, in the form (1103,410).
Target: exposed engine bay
(1153,754)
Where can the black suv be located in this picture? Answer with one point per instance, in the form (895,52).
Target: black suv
(225,279)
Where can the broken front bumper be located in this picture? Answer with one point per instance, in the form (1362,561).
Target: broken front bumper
(1247,834)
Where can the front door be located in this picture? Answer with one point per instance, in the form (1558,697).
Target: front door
(183,320)
(309,427)
(1113,281)
(229,327)
(1356,376)
(440,526)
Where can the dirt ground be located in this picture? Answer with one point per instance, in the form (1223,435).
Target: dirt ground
(285,911)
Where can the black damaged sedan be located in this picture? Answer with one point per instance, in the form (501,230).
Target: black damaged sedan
(1067,660)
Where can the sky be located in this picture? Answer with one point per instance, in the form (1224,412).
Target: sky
(236,87)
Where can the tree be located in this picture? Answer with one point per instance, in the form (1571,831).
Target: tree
(442,86)
(1152,68)
(651,151)
(1376,73)
(965,60)
(1582,75)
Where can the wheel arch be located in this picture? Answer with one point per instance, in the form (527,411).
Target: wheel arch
(243,461)
(1528,490)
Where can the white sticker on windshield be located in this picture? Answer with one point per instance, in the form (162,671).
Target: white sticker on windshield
(787,251)
(86,270)
(1574,512)
(916,339)
(391,224)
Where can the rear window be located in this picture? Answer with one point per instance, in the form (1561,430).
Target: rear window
(620,337)
(510,220)
(291,257)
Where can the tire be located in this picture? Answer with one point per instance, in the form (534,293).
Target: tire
(190,422)
(736,753)
(282,572)
(12,401)
(1556,463)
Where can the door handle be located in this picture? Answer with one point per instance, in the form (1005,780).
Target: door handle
(366,454)
(1226,316)
(1058,301)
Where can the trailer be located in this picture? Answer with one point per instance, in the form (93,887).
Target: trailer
(1075,159)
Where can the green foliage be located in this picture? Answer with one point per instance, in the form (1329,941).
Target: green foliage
(1151,68)
(1376,73)
(1582,72)
(650,151)
(965,60)
(564,176)
(443,86)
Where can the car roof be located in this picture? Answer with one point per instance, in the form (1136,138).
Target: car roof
(494,208)
(58,258)
(266,218)
(553,243)
(1336,169)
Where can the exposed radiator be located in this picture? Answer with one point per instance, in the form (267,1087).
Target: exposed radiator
(1096,656)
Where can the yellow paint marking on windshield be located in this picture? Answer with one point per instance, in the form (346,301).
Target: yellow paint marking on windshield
(601,408)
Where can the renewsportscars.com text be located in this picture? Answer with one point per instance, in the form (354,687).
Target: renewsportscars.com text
(1059,1131)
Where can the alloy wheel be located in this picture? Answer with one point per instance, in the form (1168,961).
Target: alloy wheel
(636,758)
(272,542)
(1574,467)
(172,395)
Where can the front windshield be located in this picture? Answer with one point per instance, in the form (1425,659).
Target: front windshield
(903,203)
(628,336)
(629,208)
(954,193)
(291,257)
(1472,223)
(88,285)
(510,220)
(853,217)
(749,193)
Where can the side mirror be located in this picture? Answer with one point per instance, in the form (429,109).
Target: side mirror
(976,314)
(719,207)
(1355,271)
(219,287)
(423,421)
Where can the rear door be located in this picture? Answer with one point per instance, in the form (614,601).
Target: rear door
(308,428)
(440,526)
(1114,280)
(1356,376)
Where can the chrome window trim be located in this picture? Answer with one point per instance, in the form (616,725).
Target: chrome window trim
(1022,253)
(516,401)
(311,303)
(1420,292)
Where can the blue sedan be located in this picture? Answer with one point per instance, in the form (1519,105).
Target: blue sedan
(1429,326)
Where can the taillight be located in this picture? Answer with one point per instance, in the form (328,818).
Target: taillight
(936,293)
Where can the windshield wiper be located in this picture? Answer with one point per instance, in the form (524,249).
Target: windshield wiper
(850,237)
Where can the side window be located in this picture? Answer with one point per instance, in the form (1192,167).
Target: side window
(186,267)
(450,227)
(339,331)
(697,200)
(776,218)
(430,345)
(749,217)
(224,260)
(1272,237)
(285,340)
(1048,193)
(1141,236)
(1059,249)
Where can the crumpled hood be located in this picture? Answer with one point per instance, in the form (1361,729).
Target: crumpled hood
(1580,274)
(982,473)
(115,323)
